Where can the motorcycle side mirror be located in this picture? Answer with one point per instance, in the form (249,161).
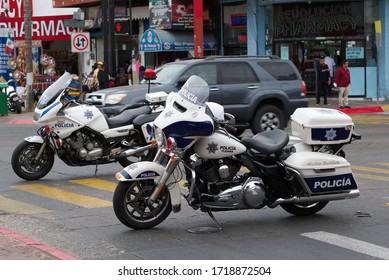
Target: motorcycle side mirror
(229,118)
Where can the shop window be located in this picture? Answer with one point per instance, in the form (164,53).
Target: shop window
(281,72)
(237,73)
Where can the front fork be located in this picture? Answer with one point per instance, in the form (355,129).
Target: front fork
(169,169)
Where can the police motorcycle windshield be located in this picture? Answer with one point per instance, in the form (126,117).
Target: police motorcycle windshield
(195,90)
(54,90)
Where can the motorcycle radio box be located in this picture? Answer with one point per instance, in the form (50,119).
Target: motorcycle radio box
(156,97)
(318,126)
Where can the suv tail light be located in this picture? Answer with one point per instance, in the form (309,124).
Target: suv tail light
(303,88)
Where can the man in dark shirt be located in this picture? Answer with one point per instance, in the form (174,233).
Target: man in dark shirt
(323,80)
(102,77)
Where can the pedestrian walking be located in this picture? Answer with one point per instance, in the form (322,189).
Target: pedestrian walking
(323,80)
(343,82)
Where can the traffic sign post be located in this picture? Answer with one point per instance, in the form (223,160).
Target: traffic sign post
(80,42)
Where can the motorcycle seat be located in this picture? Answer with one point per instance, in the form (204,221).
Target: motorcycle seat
(267,142)
(127,117)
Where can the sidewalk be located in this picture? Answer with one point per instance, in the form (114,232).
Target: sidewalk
(14,246)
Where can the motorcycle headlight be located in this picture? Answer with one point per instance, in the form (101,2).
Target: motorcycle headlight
(114,98)
(159,136)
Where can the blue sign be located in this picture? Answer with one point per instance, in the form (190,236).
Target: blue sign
(331,183)
(166,40)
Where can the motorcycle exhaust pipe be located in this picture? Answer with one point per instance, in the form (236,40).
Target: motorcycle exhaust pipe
(315,198)
(131,152)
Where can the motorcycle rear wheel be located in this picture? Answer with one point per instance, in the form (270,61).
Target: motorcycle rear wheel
(131,208)
(24,163)
(303,209)
(18,107)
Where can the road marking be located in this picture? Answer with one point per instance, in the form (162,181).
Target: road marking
(371,177)
(65,196)
(369,169)
(350,244)
(382,163)
(96,183)
(18,207)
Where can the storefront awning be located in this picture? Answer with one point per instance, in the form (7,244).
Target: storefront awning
(168,40)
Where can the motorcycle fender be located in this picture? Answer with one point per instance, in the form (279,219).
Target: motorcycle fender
(146,170)
(34,139)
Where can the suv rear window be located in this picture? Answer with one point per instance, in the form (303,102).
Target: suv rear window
(281,71)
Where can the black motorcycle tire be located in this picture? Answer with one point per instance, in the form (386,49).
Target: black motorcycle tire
(24,163)
(130,204)
(18,107)
(148,156)
(303,209)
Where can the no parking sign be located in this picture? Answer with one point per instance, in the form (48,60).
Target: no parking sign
(80,42)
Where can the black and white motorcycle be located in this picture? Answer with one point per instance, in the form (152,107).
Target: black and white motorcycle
(15,103)
(223,173)
(80,134)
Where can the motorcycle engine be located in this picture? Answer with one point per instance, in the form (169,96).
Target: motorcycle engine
(216,170)
(83,146)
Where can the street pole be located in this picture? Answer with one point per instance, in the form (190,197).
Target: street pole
(198,28)
(28,43)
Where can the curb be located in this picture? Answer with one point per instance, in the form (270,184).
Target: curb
(362,110)
(37,245)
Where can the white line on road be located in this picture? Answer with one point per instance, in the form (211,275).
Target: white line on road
(350,243)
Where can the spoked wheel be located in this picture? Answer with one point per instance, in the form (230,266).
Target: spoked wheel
(304,209)
(25,164)
(131,208)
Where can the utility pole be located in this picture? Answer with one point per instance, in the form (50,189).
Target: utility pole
(28,43)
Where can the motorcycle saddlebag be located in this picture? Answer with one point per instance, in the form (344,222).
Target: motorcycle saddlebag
(320,126)
(322,173)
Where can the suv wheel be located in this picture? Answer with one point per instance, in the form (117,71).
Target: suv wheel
(268,117)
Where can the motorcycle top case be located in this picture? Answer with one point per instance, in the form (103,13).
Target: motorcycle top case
(323,173)
(319,126)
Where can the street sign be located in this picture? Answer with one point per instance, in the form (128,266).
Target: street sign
(74,23)
(80,42)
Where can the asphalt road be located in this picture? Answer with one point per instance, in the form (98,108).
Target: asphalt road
(71,209)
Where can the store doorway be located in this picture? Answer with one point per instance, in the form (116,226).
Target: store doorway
(305,55)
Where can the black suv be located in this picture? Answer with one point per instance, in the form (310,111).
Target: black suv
(261,92)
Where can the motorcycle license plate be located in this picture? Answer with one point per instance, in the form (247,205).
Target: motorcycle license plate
(335,183)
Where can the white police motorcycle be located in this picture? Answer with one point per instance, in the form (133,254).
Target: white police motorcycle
(80,134)
(223,173)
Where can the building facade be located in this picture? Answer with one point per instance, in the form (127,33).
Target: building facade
(299,30)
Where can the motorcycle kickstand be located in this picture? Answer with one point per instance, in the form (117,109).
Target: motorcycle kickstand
(96,167)
(219,227)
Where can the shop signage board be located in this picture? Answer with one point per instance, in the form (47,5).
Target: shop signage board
(44,27)
(80,42)
(4,55)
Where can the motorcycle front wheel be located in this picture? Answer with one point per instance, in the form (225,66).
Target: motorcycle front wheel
(131,208)
(303,209)
(25,164)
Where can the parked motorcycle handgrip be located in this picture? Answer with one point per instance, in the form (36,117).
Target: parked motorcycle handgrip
(355,136)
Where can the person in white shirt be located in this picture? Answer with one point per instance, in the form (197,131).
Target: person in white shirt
(329,61)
